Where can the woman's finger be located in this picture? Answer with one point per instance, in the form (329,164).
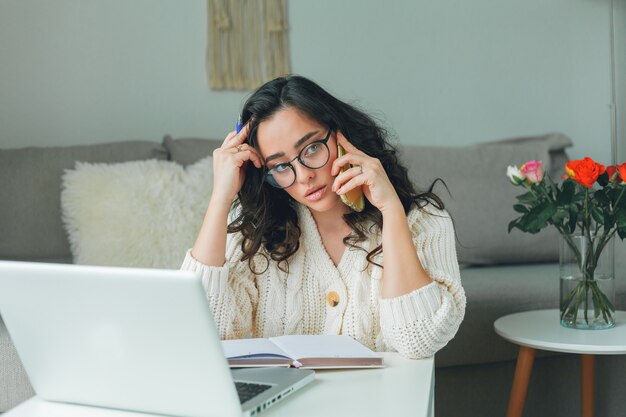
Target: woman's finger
(346,176)
(358,180)
(243,153)
(349,158)
(229,137)
(350,148)
(239,138)
(240,154)
(248,153)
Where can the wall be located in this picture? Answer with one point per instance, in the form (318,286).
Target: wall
(435,71)
(620,75)
(87,71)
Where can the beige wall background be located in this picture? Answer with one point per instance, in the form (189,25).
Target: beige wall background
(446,72)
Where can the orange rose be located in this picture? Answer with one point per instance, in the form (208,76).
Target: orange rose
(622,171)
(584,171)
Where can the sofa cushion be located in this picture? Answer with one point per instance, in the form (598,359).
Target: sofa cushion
(30,226)
(135,214)
(481,197)
(186,151)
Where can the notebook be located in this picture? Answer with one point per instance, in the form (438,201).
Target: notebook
(130,339)
(301,351)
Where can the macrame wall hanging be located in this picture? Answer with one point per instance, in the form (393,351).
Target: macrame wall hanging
(247,43)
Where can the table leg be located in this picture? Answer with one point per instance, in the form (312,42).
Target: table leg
(523,369)
(587,383)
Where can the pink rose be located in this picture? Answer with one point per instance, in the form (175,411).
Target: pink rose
(533,171)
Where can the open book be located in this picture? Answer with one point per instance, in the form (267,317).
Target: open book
(301,351)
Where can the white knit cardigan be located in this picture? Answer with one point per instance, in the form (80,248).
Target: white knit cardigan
(274,303)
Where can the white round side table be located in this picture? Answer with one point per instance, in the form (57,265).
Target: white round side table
(541,329)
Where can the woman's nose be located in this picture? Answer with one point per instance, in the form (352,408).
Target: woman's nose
(303,174)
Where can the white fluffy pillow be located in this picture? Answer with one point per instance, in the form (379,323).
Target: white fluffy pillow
(138,214)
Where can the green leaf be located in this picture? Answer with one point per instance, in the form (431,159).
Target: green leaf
(513,224)
(573,218)
(539,216)
(620,218)
(560,215)
(565,196)
(523,224)
(520,208)
(546,190)
(596,213)
(614,195)
(528,198)
(602,198)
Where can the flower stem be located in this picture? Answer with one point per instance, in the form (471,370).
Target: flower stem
(618,199)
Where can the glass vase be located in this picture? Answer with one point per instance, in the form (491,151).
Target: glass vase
(587,275)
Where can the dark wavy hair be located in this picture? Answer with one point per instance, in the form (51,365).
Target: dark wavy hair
(267,215)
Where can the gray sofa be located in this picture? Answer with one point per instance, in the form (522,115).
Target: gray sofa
(501,273)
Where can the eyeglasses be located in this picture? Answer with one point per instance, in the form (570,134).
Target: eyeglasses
(313,156)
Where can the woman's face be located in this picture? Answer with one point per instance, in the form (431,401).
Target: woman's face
(281,138)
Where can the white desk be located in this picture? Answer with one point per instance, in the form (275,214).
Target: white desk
(403,388)
(541,329)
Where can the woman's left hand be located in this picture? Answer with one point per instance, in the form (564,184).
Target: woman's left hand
(367,172)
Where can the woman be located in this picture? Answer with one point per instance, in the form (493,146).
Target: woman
(290,258)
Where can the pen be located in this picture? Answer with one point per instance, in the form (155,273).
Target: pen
(238,126)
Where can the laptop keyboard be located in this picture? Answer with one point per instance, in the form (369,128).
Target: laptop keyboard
(248,390)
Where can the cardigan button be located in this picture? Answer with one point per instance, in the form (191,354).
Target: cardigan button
(332,298)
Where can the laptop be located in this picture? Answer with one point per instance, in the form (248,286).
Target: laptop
(130,339)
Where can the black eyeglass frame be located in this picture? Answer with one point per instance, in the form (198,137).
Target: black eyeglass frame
(269,178)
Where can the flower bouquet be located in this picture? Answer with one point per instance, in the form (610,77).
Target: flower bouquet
(588,208)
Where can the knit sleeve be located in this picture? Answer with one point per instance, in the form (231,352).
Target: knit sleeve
(231,291)
(421,322)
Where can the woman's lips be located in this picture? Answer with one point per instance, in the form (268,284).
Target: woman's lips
(316,194)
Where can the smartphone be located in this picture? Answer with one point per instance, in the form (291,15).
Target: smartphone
(353,198)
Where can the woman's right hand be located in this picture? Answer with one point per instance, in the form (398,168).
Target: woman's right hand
(229,165)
